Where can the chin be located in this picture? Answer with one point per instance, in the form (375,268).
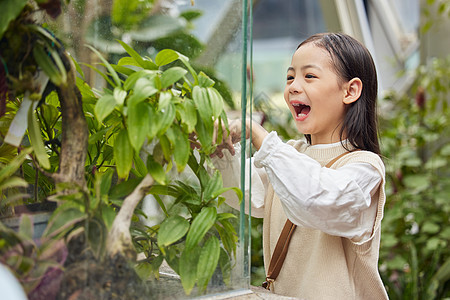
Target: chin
(301,130)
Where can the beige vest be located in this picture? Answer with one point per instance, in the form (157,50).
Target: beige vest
(321,266)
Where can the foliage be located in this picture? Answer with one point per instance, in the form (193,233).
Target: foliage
(34,263)
(30,56)
(143,122)
(415,252)
(434,12)
(161,104)
(9,181)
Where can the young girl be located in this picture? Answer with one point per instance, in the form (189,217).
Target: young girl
(331,91)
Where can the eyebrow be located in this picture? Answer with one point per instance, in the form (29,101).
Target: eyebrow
(306,67)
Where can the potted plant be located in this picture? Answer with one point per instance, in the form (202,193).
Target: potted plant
(162,102)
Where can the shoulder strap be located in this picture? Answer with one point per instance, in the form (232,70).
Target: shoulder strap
(279,254)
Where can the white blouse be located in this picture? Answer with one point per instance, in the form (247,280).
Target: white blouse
(337,202)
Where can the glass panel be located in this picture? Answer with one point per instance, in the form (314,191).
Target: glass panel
(153,78)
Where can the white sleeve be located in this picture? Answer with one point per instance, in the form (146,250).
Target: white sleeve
(230,168)
(337,202)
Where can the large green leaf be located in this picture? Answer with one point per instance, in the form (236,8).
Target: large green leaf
(26,226)
(165,99)
(220,191)
(63,219)
(201,224)
(50,62)
(139,165)
(156,170)
(103,182)
(207,263)
(96,234)
(13,182)
(215,183)
(119,95)
(166,56)
(165,118)
(202,102)
(10,10)
(104,106)
(138,121)
(108,215)
(130,82)
(50,113)
(204,81)
(124,188)
(205,133)
(228,235)
(144,63)
(188,269)
(226,238)
(171,230)
(225,266)
(128,61)
(153,125)
(190,15)
(123,154)
(188,114)
(164,190)
(34,132)
(108,66)
(165,146)
(143,89)
(216,102)
(172,75)
(181,146)
(8,170)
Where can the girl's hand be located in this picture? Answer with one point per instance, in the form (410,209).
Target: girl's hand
(228,140)
(235,128)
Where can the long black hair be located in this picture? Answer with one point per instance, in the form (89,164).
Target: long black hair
(351,59)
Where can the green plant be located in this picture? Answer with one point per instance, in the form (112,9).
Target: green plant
(10,183)
(164,104)
(94,165)
(414,253)
(34,263)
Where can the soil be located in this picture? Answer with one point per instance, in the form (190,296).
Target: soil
(85,277)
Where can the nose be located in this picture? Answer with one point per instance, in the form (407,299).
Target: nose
(295,87)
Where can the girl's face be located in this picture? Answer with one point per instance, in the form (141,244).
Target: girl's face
(314,95)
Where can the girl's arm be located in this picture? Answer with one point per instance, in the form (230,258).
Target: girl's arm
(227,159)
(230,167)
(337,202)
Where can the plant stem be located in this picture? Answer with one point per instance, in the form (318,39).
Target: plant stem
(119,237)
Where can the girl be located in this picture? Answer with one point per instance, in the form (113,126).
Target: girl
(331,91)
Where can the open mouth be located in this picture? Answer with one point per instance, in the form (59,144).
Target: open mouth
(301,110)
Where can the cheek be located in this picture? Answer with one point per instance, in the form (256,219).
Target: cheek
(286,94)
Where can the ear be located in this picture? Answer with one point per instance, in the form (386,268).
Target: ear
(353,90)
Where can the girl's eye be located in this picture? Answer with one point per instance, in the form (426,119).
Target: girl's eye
(290,77)
(309,76)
